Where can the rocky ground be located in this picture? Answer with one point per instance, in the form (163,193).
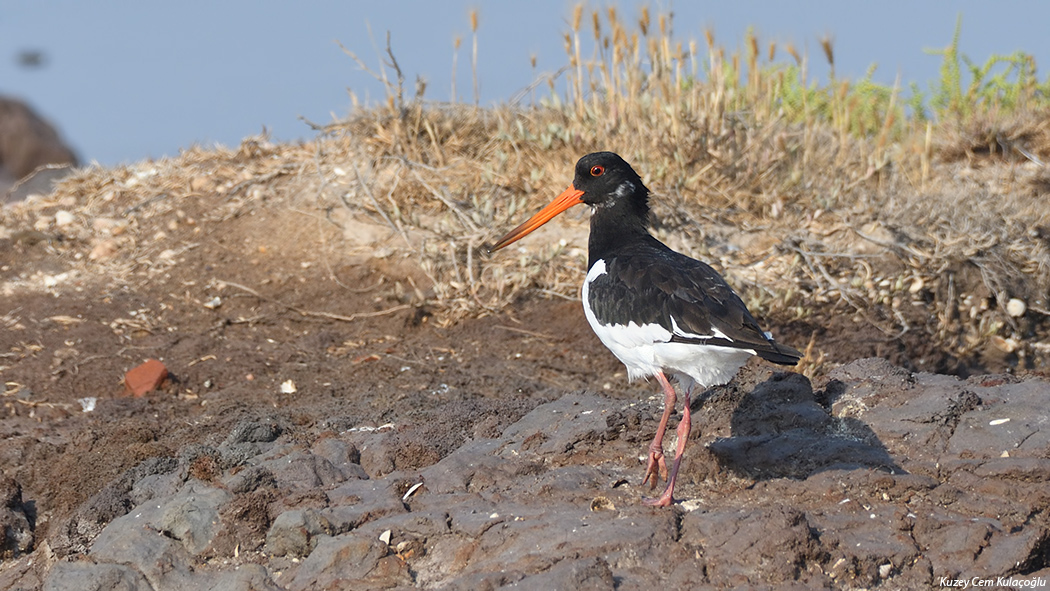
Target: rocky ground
(322,429)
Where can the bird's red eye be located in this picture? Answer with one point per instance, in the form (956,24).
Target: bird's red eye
(597,170)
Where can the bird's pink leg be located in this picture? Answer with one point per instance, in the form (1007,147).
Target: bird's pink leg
(684,426)
(657,467)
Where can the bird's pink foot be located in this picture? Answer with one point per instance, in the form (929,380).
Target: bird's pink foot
(665,500)
(655,469)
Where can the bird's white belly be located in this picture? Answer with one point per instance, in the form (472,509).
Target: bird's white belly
(645,349)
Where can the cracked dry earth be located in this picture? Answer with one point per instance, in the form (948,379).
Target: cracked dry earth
(504,451)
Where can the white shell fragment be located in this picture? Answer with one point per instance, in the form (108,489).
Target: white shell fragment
(411,490)
(1016,307)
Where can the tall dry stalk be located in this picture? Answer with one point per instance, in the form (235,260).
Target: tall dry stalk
(474,54)
(455,58)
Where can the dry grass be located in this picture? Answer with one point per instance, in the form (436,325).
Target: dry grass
(816,199)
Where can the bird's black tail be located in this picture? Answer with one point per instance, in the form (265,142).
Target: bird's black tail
(779,354)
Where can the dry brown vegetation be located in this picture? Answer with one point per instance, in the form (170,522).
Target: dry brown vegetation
(830,206)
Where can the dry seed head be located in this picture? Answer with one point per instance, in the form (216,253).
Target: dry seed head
(772,50)
(826,43)
(456,41)
(663,24)
(596,20)
(790,49)
(709,36)
(577,15)
(568,44)
(474,20)
(752,44)
(643,23)
(612,15)
(532,60)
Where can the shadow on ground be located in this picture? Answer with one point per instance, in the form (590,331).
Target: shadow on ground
(780,430)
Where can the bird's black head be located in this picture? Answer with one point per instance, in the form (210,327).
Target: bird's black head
(610,186)
(608,181)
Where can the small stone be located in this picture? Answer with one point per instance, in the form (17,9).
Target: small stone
(63,218)
(103,224)
(1016,307)
(202,184)
(145,378)
(288,387)
(103,250)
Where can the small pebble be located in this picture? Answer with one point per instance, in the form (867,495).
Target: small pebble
(1016,307)
(63,218)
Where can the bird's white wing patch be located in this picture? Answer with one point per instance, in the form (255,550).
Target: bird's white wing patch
(715,333)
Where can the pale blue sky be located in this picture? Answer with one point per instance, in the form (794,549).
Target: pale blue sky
(126,80)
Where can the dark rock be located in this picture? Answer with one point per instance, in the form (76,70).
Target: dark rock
(402,526)
(244,577)
(349,560)
(303,470)
(191,516)
(78,576)
(250,479)
(163,561)
(254,431)
(358,501)
(296,532)
(770,544)
(378,452)
(343,455)
(16,527)
(571,422)
(114,500)
(586,574)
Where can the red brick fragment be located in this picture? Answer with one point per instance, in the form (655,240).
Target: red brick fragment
(145,378)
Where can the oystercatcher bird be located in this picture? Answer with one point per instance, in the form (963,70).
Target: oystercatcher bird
(660,312)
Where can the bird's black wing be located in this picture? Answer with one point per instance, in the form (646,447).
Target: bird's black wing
(654,286)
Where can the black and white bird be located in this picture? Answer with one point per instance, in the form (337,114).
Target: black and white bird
(660,312)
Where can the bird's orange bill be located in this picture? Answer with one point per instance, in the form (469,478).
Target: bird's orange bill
(568,198)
